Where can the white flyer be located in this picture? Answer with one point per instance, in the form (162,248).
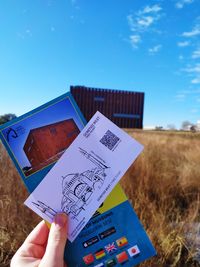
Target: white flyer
(85,174)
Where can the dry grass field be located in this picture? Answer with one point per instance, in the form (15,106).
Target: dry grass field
(163,186)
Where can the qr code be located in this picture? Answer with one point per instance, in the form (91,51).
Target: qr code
(110,140)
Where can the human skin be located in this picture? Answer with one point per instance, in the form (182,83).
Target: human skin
(44,247)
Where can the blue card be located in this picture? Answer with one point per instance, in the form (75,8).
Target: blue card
(37,139)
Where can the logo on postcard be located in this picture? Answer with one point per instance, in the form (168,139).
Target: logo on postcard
(122,257)
(121,242)
(111,262)
(88,259)
(99,265)
(90,241)
(110,248)
(107,233)
(100,253)
(134,251)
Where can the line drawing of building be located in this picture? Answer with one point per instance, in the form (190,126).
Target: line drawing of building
(77,188)
(46,144)
(47,210)
(124,108)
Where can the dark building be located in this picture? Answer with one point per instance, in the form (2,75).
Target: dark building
(124,108)
(46,144)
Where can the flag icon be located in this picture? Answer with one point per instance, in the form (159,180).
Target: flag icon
(133,251)
(100,254)
(122,241)
(110,248)
(88,259)
(111,263)
(122,257)
(100,265)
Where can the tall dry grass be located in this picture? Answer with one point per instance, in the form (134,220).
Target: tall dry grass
(16,220)
(163,186)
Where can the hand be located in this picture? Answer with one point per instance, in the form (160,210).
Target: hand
(44,247)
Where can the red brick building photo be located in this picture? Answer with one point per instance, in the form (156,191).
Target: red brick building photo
(124,108)
(46,144)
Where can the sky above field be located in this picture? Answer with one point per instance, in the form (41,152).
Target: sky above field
(147,46)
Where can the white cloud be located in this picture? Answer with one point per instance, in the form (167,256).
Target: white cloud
(196,53)
(135,40)
(130,21)
(145,22)
(180,97)
(181,3)
(28,32)
(142,21)
(155,49)
(183,44)
(196,80)
(194,72)
(195,31)
(151,9)
(195,69)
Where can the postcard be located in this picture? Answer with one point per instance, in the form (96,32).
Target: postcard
(37,139)
(85,174)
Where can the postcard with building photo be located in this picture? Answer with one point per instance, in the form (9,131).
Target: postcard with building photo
(39,139)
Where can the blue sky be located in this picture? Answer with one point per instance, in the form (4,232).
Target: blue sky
(148,46)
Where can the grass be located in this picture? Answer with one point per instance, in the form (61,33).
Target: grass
(16,221)
(163,186)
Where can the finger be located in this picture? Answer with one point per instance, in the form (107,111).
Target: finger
(39,235)
(35,243)
(54,254)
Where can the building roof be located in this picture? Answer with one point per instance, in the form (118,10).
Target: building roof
(47,125)
(103,89)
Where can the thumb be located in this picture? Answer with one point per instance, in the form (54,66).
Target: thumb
(54,255)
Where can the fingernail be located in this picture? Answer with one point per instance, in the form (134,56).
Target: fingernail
(60,219)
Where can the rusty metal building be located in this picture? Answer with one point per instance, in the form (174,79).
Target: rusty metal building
(46,144)
(124,108)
